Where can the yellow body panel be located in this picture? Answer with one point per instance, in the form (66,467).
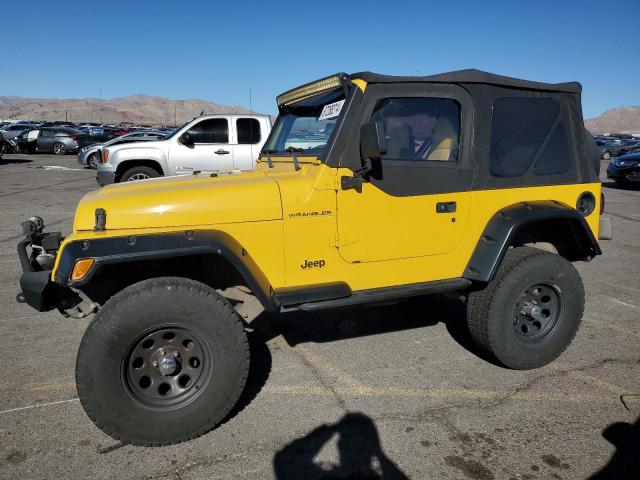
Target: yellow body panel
(301,229)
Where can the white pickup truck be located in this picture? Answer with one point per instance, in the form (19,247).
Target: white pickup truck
(206,143)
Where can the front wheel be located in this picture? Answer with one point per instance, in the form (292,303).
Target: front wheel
(59,148)
(138,173)
(606,155)
(163,361)
(93,161)
(529,314)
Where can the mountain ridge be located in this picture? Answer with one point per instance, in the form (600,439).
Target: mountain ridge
(136,108)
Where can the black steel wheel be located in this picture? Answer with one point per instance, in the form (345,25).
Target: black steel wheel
(163,361)
(529,314)
(537,311)
(166,367)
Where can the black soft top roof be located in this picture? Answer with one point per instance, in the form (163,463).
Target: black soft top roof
(472,75)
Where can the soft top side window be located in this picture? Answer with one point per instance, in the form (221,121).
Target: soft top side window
(528,135)
(420,128)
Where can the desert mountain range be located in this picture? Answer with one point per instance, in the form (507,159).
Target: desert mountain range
(164,111)
(626,119)
(135,108)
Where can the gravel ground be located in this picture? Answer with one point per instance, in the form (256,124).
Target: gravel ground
(392,391)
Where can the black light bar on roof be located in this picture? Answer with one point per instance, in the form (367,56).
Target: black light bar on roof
(310,89)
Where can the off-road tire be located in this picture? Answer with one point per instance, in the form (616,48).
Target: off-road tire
(491,311)
(139,170)
(160,303)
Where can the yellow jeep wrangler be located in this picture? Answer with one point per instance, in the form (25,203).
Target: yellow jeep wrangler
(369,189)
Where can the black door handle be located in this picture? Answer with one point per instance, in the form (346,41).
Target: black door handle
(445,207)
(221,152)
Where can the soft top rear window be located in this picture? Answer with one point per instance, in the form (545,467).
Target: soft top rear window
(528,136)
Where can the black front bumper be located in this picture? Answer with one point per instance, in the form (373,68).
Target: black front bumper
(38,291)
(629,173)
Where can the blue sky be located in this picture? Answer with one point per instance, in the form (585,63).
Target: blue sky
(218,50)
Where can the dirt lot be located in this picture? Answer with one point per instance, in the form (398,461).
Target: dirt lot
(357,393)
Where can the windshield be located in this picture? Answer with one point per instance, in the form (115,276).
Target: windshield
(174,131)
(305,127)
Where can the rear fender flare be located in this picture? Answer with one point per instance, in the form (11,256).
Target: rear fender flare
(501,231)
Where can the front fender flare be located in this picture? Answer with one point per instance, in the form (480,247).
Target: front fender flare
(106,251)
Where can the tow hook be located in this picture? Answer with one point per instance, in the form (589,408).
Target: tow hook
(78,313)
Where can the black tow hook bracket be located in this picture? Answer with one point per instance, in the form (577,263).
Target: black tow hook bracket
(20,298)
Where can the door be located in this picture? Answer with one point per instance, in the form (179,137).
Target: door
(45,141)
(210,150)
(247,138)
(415,201)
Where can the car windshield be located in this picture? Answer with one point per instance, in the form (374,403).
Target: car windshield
(305,127)
(175,130)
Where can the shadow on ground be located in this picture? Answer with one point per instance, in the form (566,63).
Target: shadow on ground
(8,161)
(625,462)
(340,324)
(359,450)
(616,186)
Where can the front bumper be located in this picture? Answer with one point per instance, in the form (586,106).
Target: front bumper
(105,177)
(37,289)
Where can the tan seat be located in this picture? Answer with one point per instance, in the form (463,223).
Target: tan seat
(444,141)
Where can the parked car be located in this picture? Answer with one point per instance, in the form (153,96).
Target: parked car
(90,155)
(206,143)
(625,170)
(609,147)
(12,130)
(421,188)
(629,146)
(3,145)
(58,140)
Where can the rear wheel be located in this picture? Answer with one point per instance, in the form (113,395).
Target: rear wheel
(528,315)
(59,148)
(138,173)
(163,361)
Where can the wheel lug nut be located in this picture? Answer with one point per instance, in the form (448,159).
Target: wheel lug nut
(154,363)
(176,354)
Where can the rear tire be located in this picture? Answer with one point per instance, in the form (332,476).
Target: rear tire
(59,148)
(529,314)
(138,173)
(163,361)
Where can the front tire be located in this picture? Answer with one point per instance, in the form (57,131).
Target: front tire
(93,161)
(138,173)
(529,314)
(162,362)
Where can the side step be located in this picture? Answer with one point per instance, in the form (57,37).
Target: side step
(388,293)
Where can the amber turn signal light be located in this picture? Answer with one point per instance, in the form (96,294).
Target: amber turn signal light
(105,155)
(81,268)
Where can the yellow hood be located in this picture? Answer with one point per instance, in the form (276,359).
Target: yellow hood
(183,201)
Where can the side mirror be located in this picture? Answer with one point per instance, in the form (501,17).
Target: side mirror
(186,138)
(373,141)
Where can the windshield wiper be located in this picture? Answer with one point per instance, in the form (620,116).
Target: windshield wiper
(294,149)
(272,150)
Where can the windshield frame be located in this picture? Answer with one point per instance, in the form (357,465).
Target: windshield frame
(347,88)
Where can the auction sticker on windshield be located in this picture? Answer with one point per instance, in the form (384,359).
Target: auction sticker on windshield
(331,110)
